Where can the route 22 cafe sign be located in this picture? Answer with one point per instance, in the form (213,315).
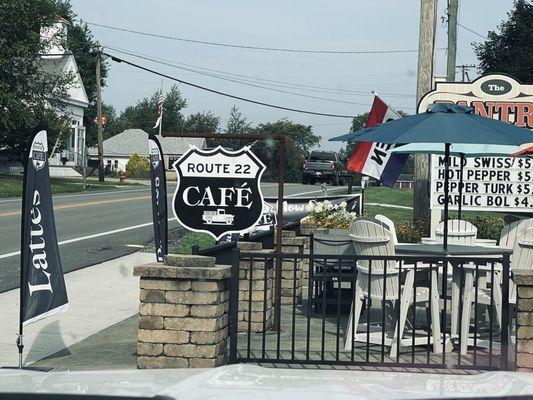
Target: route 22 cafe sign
(218,191)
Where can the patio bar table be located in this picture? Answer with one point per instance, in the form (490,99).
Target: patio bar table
(454,250)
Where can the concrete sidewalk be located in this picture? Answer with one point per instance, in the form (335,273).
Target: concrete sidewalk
(100,296)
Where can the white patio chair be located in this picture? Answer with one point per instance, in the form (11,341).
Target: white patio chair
(522,258)
(459,232)
(389,224)
(382,277)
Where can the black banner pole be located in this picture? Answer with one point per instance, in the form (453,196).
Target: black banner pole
(20,341)
(446,193)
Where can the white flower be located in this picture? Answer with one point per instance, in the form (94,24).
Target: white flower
(343,205)
(327,205)
(318,207)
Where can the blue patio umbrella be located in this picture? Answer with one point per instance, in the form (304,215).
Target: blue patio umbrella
(442,123)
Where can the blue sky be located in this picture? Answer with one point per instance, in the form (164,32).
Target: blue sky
(334,24)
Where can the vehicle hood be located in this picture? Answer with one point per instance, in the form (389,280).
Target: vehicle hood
(250,381)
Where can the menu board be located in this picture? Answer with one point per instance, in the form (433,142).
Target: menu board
(490,183)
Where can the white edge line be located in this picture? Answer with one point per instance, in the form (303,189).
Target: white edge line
(79,239)
(314,191)
(389,206)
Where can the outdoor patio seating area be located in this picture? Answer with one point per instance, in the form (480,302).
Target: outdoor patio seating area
(370,299)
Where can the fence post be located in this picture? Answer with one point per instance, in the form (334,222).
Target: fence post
(233,306)
(504,355)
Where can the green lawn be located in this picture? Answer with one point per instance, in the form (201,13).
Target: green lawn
(190,239)
(11,185)
(489,224)
(385,195)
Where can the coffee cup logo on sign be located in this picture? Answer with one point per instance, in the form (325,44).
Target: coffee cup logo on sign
(218,191)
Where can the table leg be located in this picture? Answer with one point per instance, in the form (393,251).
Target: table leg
(435,313)
(454,308)
(467,307)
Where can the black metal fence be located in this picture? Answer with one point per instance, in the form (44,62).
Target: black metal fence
(416,311)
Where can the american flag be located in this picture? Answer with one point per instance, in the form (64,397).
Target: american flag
(159,111)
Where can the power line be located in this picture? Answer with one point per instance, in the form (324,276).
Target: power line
(250,78)
(472,31)
(120,60)
(244,83)
(249,47)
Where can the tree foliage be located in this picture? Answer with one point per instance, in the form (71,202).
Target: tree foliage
(301,140)
(138,167)
(202,122)
(511,49)
(143,114)
(29,94)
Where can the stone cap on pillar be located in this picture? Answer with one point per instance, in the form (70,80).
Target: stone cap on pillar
(183,266)
(523,277)
(246,246)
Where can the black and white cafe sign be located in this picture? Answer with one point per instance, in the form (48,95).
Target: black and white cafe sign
(218,191)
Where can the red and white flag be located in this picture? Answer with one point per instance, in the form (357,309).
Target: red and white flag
(159,112)
(374,159)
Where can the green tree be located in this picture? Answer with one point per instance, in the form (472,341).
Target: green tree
(30,94)
(143,114)
(511,49)
(237,124)
(202,122)
(300,140)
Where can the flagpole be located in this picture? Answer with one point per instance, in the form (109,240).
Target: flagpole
(387,104)
(20,342)
(161,115)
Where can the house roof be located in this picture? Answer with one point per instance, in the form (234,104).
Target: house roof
(136,141)
(63,64)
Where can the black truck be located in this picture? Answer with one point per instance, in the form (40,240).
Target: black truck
(324,166)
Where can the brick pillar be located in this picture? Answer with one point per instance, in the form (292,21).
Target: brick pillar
(261,301)
(523,280)
(183,313)
(291,243)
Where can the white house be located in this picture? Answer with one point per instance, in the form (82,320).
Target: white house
(119,148)
(57,60)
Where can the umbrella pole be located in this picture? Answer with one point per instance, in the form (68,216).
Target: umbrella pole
(446,193)
(459,210)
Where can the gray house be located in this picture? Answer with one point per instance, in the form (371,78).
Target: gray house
(119,148)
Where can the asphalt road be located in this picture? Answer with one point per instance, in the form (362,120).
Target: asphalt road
(98,226)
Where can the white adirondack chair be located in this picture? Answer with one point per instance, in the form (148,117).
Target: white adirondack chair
(389,224)
(371,238)
(522,258)
(459,232)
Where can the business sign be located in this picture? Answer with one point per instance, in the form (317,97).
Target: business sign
(43,290)
(159,197)
(218,191)
(490,183)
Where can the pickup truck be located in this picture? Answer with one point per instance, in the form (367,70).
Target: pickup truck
(217,217)
(324,166)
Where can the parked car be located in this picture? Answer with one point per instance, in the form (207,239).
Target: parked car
(324,166)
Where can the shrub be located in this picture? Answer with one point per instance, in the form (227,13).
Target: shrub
(488,226)
(138,167)
(326,215)
(412,232)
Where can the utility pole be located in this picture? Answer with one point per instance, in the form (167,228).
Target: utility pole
(99,115)
(426,51)
(464,71)
(453,6)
